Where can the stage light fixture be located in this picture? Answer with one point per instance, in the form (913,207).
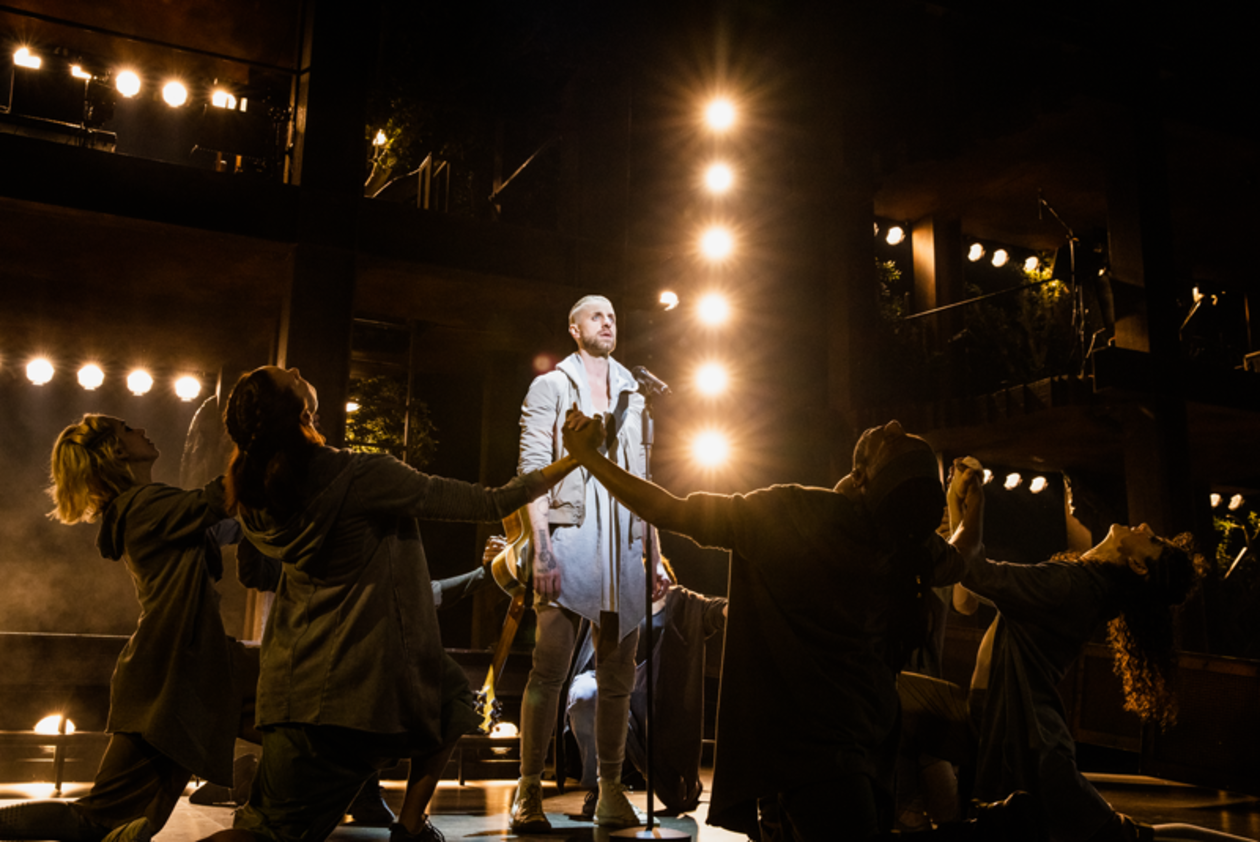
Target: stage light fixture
(1037,485)
(174,94)
(351,406)
(1000,258)
(39,371)
(669,300)
(187,388)
(1235,502)
(716,243)
(1214,499)
(51,724)
(713,309)
(220,98)
(718,178)
(78,72)
(710,449)
(1032,264)
(711,379)
(139,382)
(975,253)
(23,57)
(91,376)
(896,236)
(127,83)
(720,115)
(1012,481)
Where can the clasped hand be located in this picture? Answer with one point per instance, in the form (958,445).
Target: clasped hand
(582,435)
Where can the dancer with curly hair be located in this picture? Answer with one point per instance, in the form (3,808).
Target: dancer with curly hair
(1047,613)
(353,670)
(182,690)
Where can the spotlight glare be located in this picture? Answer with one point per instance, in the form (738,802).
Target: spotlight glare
(174,94)
(78,72)
(39,371)
(139,382)
(222,99)
(669,300)
(127,83)
(716,243)
(896,235)
(351,406)
(51,724)
(1000,258)
(25,58)
(1012,481)
(1235,502)
(975,252)
(91,376)
(1214,499)
(711,379)
(187,387)
(1032,264)
(1037,485)
(710,449)
(718,178)
(720,115)
(713,309)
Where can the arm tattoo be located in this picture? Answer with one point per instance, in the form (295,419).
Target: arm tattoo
(547,558)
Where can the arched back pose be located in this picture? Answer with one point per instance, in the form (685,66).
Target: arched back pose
(353,669)
(1048,612)
(182,690)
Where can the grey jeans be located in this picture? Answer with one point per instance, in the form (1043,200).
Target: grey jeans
(614,676)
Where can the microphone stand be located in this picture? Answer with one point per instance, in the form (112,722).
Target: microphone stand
(650,831)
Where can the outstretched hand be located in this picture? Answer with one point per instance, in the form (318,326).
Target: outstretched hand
(966,488)
(582,435)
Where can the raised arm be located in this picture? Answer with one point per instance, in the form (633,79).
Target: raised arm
(582,436)
(966,508)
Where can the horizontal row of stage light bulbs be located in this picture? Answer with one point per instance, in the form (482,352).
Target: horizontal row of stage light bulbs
(127,83)
(139,382)
(896,235)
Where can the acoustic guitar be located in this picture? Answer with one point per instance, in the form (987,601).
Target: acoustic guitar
(511,570)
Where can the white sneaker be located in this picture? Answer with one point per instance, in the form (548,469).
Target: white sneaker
(527,809)
(614,809)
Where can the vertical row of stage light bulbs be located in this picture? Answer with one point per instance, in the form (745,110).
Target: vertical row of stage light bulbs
(711,447)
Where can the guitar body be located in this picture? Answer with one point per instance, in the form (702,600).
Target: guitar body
(511,571)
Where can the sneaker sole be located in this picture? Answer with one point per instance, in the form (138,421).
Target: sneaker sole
(535,826)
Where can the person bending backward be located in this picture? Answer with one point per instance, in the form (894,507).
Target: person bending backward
(354,675)
(587,563)
(1047,613)
(182,691)
(825,591)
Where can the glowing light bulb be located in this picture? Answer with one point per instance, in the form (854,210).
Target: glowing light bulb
(710,449)
(1012,481)
(91,376)
(139,382)
(1214,499)
(174,94)
(975,252)
(896,235)
(711,379)
(39,371)
(1235,502)
(187,388)
(716,243)
(351,406)
(51,724)
(127,83)
(1032,264)
(23,57)
(718,178)
(1000,258)
(78,72)
(713,309)
(720,115)
(222,99)
(669,300)
(1037,485)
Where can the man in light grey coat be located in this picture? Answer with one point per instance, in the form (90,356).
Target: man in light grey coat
(587,561)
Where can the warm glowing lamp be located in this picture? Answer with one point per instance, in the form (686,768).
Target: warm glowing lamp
(975,252)
(716,243)
(1037,485)
(720,115)
(139,382)
(711,379)
(718,178)
(1000,258)
(222,99)
(1235,502)
(669,300)
(896,236)
(23,57)
(187,388)
(39,371)
(78,72)
(713,309)
(1012,481)
(988,476)
(127,83)
(351,406)
(91,376)
(380,138)
(1032,264)
(1214,499)
(174,94)
(710,449)
(51,724)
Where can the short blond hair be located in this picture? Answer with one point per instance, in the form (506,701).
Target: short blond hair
(583,302)
(88,470)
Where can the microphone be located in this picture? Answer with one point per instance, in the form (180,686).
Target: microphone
(649,383)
